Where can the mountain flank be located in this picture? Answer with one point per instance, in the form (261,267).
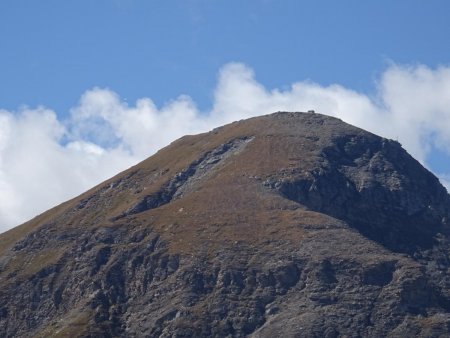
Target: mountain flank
(288,225)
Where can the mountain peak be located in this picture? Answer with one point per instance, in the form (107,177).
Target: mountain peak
(266,226)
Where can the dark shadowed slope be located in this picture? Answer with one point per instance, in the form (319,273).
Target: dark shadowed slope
(289,224)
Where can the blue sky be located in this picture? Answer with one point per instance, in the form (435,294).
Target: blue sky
(52,50)
(72,68)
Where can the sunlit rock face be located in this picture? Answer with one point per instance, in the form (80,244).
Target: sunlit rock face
(290,224)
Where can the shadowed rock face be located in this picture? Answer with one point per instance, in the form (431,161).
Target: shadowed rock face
(374,186)
(290,225)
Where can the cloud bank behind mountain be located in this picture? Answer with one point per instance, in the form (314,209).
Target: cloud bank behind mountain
(45,159)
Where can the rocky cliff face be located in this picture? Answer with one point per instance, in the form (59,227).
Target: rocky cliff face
(289,225)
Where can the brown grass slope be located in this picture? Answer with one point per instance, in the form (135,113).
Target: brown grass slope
(290,223)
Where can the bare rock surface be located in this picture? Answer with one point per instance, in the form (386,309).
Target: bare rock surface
(285,225)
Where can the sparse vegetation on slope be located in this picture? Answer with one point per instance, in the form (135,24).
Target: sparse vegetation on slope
(290,224)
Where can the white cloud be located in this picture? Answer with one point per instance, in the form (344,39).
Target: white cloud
(44,161)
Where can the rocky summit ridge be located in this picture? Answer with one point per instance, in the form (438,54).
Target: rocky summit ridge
(284,225)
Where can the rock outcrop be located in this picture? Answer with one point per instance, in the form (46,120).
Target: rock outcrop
(285,225)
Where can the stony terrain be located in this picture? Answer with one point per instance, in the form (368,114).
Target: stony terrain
(285,225)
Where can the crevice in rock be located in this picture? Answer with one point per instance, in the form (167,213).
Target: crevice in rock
(379,274)
(101,258)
